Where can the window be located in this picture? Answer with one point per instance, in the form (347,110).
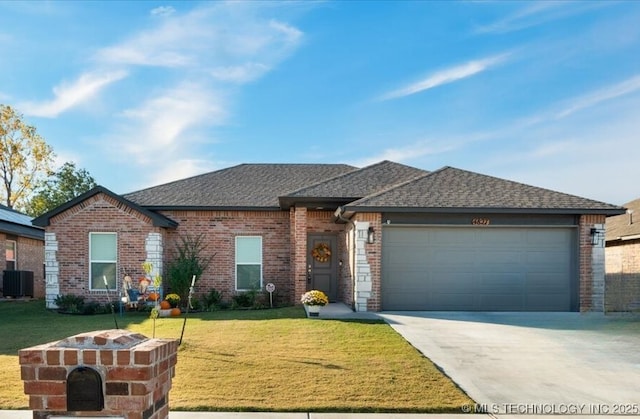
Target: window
(103,252)
(248,262)
(10,254)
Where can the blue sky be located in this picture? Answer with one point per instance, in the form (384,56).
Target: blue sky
(141,93)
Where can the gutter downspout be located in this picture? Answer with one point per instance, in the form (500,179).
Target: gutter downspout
(339,214)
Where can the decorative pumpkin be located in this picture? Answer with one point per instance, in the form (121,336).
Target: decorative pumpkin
(153,296)
(164,305)
(175,311)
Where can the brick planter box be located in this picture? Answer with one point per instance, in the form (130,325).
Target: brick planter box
(101,373)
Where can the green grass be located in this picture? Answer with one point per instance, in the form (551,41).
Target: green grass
(267,360)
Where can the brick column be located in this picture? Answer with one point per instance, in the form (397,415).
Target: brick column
(298,223)
(592,275)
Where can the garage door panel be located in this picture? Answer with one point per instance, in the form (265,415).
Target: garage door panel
(452,282)
(443,268)
(546,281)
(406,300)
(499,257)
(497,283)
(547,302)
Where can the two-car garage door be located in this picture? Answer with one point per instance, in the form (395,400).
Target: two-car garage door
(478,268)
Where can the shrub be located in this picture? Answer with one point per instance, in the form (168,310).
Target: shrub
(75,304)
(248,299)
(69,303)
(187,261)
(211,301)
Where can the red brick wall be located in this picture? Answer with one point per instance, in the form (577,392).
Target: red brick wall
(99,213)
(220,229)
(622,276)
(30,253)
(31,258)
(587,222)
(298,269)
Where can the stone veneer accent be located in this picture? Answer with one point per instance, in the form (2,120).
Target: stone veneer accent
(136,373)
(52,269)
(363,280)
(154,249)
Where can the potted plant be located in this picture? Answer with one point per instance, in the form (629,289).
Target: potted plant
(314,300)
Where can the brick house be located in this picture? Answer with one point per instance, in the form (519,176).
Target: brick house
(383,237)
(24,248)
(623,259)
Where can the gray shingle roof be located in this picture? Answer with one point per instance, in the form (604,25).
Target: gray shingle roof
(362,182)
(242,186)
(451,188)
(624,225)
(19,224)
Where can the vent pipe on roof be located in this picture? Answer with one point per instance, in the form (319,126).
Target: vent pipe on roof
(630,212)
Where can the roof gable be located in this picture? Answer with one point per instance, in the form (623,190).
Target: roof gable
(157,219)
(246,186)
(355,184)
(625,226)
(455,189)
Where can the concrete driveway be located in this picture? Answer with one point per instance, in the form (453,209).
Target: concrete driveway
(533,363)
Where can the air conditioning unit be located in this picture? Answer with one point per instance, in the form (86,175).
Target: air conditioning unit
(17,284)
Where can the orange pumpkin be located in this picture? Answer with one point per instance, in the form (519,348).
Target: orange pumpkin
(175,312)
(164,304)
(153,296)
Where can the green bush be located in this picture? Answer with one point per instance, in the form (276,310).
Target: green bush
(211,301)
(76,304)
(187,261)
(248,299)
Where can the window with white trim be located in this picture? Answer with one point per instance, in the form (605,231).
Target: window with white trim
(248,262)
(103,251)
(10,252)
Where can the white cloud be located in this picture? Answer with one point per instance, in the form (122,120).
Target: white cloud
(446,76)
(219,35)
(159,127)
(539,13)
(69,95)
(162,11)
(595,98)
(241,73)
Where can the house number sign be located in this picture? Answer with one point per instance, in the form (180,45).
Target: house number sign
(480,221)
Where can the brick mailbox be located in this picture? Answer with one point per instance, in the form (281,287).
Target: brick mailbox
(107,373)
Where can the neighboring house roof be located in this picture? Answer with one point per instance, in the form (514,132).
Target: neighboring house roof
(19,224)
(354,185)
(158,220)
(459,190)
(625,226)
(246,186)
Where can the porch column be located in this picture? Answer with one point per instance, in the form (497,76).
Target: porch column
(298,223)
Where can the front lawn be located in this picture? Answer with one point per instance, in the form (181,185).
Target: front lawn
(267,360)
